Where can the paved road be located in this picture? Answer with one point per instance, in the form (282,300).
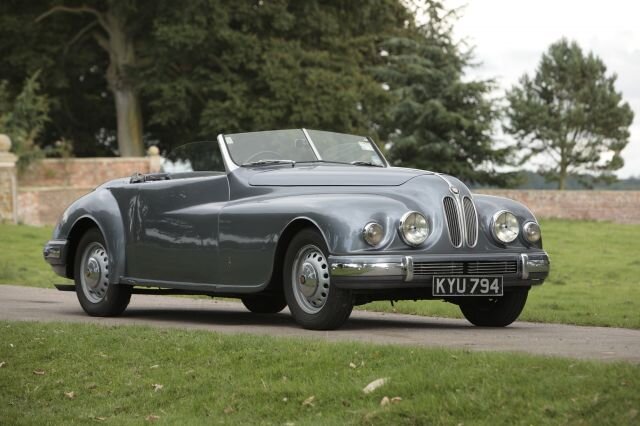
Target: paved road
(608,344)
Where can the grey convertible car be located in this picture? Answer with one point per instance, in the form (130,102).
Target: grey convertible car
(313,220)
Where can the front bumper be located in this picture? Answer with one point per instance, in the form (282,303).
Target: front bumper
(398,271)
(55,253)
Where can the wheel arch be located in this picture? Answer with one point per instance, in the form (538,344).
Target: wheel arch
(79,228)
(290,230)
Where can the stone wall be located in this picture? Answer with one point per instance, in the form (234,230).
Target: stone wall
(81,172)
(7,194)
(614,206)
(49,186)
(8,184)
(45,205)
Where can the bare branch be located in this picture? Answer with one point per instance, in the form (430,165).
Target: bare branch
(102,41)
(79,35)
(82,9)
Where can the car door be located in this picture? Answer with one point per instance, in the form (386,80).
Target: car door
(176,235)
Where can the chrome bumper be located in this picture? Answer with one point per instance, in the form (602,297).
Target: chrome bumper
(532,267)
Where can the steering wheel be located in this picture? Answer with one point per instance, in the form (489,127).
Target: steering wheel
(267,155)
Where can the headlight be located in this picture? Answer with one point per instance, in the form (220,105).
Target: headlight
(532,232)
(373,233)
(414,228)
(505,227)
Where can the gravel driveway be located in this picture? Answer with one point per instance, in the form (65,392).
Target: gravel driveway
(607,344)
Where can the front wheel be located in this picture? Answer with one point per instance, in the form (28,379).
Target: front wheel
(313,302)
(496,311)
(265,304)
(96,295)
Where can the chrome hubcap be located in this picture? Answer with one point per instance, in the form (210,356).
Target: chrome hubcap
(94,277)
(310,277)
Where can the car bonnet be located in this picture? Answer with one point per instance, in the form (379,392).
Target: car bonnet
(335,176)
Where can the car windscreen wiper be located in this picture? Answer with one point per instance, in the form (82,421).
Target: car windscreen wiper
(268,162)
(365,163)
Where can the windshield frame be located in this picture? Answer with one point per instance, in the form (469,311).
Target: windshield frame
(231,165)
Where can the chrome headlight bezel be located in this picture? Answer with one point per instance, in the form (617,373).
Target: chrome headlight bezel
(514,227)
(532,232)
(404,228)
(373,233)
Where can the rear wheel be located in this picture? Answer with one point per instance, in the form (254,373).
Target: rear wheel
(265,304)
(91,273)
(497,311)
(313,302)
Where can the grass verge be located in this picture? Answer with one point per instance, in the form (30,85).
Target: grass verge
(21,260)
(63,373)
(595,276)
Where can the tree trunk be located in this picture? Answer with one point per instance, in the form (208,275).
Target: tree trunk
(127,101)
(129,119)
(562,177)
(113,37)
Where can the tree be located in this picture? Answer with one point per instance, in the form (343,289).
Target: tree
(113,30)
(223,66)
(570,115)
(201,67)
(23,118)
(439,121)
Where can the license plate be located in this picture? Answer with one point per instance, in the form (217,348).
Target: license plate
(467,285)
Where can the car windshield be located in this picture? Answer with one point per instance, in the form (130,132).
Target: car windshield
(300,146)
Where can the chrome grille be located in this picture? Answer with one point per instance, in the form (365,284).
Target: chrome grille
(438,268)
(470,221)
(487,267)
(453,221)
(480,267)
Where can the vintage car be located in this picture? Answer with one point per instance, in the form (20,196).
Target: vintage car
(313,220)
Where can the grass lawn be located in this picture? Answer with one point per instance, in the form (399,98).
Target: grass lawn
(595,277)
(63,373)
(21,260)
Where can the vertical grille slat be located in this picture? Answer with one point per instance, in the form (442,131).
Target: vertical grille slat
(453,221)
(471,221)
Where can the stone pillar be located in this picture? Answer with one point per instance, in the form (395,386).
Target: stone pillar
(8,182)
(155,160)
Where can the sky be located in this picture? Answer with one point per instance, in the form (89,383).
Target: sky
(509,37)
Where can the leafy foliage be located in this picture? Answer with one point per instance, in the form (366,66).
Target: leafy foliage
(438,120)
(245,66)
(208,66)
(570,114)
(24,118)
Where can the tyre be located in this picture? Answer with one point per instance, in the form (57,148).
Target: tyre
(91,274)
(265,304)
(495,312)
(313,302)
